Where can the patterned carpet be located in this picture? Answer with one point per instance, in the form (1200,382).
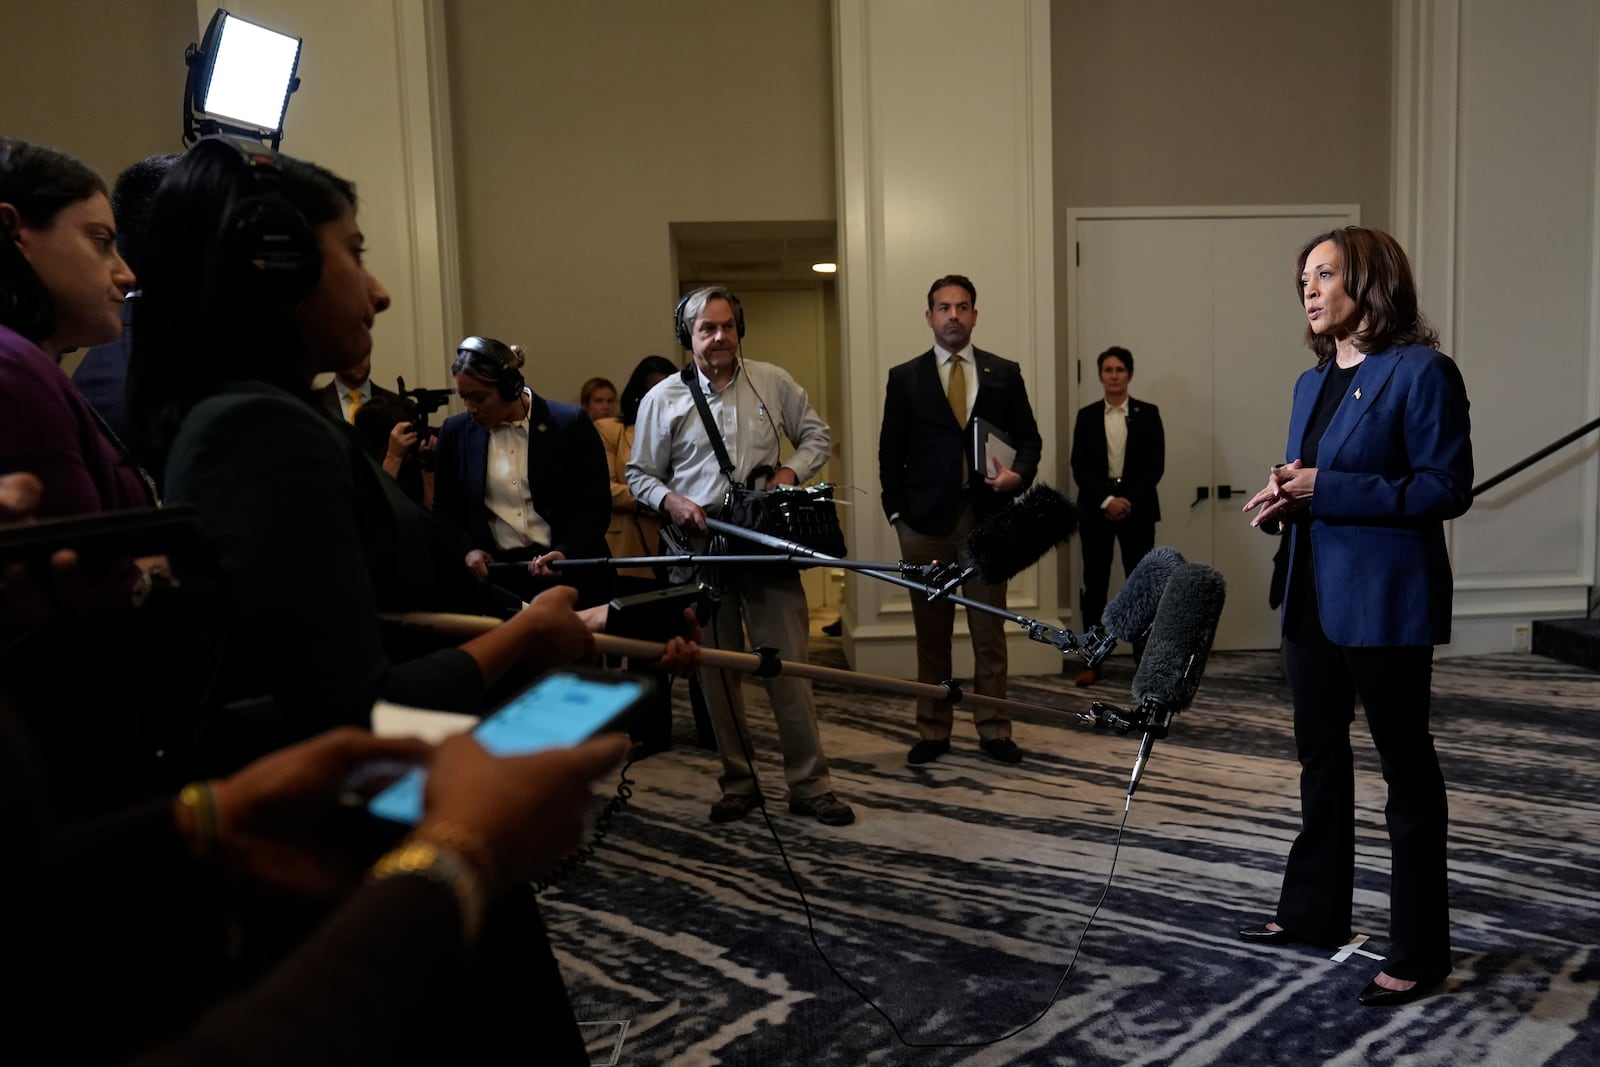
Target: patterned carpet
(958,897)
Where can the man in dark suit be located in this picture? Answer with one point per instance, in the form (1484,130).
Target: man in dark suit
(1118,455)
(351,390)
(521,479)
(933,494)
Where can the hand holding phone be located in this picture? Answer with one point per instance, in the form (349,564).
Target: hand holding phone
(559,710)
(528,812)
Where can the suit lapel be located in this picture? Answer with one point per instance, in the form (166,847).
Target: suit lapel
(476,453)
(540,448)
(933,394)
(983,364)
(1371,378)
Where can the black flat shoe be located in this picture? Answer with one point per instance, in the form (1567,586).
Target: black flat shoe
(1262,934)
(1376,996)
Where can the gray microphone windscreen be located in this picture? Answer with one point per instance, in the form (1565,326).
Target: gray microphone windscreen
(1180,638)
(1133,609)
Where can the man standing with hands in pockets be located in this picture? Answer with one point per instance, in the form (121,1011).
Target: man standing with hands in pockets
(933,495)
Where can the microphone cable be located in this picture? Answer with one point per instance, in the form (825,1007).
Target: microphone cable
(811,926)
(602,828)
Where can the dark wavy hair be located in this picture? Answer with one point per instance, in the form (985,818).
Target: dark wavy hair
(131,195)
(639,383)
(960,280)
(204,320)
(38,182)
(1377,276)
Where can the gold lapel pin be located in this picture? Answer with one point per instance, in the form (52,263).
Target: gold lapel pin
(1358,394)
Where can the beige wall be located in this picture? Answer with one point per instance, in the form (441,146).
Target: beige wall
(582,130)
(98,79)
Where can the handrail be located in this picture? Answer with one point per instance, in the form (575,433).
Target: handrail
(1517,468)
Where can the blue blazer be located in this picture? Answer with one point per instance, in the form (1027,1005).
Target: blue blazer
(1395,462)
(567,473)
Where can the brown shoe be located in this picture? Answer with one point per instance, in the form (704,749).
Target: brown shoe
(734,806)
(825,808)
(1088,678)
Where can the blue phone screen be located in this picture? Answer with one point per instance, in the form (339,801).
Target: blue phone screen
(557,711)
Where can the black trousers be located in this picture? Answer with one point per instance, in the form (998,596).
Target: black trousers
(1319,882)
(1098,535)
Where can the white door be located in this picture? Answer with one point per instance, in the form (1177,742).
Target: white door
(1204,299)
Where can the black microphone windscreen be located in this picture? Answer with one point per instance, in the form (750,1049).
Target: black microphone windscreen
(1180,639)
(1133,609)
(1018,535)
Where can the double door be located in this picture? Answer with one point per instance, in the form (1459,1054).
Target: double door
(1205,299)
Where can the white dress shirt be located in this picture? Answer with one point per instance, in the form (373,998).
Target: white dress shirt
(1116,441)
(513,523)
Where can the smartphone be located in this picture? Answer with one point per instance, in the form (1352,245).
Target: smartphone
(109,535)
(557,711)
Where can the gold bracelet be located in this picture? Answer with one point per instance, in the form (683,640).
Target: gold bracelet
(441,864)
(468,844)
(202,805)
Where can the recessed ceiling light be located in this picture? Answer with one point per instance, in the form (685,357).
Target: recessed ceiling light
(825,268)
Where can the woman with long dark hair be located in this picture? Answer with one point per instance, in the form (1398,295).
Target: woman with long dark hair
(1379,456)
(62,285)
(254,284)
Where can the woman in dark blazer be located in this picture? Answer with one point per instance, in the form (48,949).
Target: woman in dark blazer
(521,479)
(1379,456)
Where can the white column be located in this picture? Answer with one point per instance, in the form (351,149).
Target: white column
(943,125)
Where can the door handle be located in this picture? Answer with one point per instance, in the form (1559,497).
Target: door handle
(1201,492)
(1224,492)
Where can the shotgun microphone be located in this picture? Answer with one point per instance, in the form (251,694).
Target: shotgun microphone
(1129,614)
(1181,634)
(1018,535)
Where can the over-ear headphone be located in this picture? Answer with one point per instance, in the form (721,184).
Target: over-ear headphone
(685,330)
(504,359)
(266,242)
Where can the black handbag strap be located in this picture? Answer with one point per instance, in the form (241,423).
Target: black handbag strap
(691,377)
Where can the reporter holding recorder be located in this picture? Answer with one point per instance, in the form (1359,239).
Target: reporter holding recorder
(1379,456)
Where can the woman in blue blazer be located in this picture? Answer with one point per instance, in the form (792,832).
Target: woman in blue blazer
(1379,456)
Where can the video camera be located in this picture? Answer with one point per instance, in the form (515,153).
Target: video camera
(420,403)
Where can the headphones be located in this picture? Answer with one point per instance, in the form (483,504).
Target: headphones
(683,329)
(507,378)
(266,242)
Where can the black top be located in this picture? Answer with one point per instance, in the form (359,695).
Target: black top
(1301,618)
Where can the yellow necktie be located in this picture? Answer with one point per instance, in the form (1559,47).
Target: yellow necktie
(355,406)
(956,392)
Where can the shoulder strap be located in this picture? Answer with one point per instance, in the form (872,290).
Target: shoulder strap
(691,377)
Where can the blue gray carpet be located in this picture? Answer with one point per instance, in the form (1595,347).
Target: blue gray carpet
(957,899)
